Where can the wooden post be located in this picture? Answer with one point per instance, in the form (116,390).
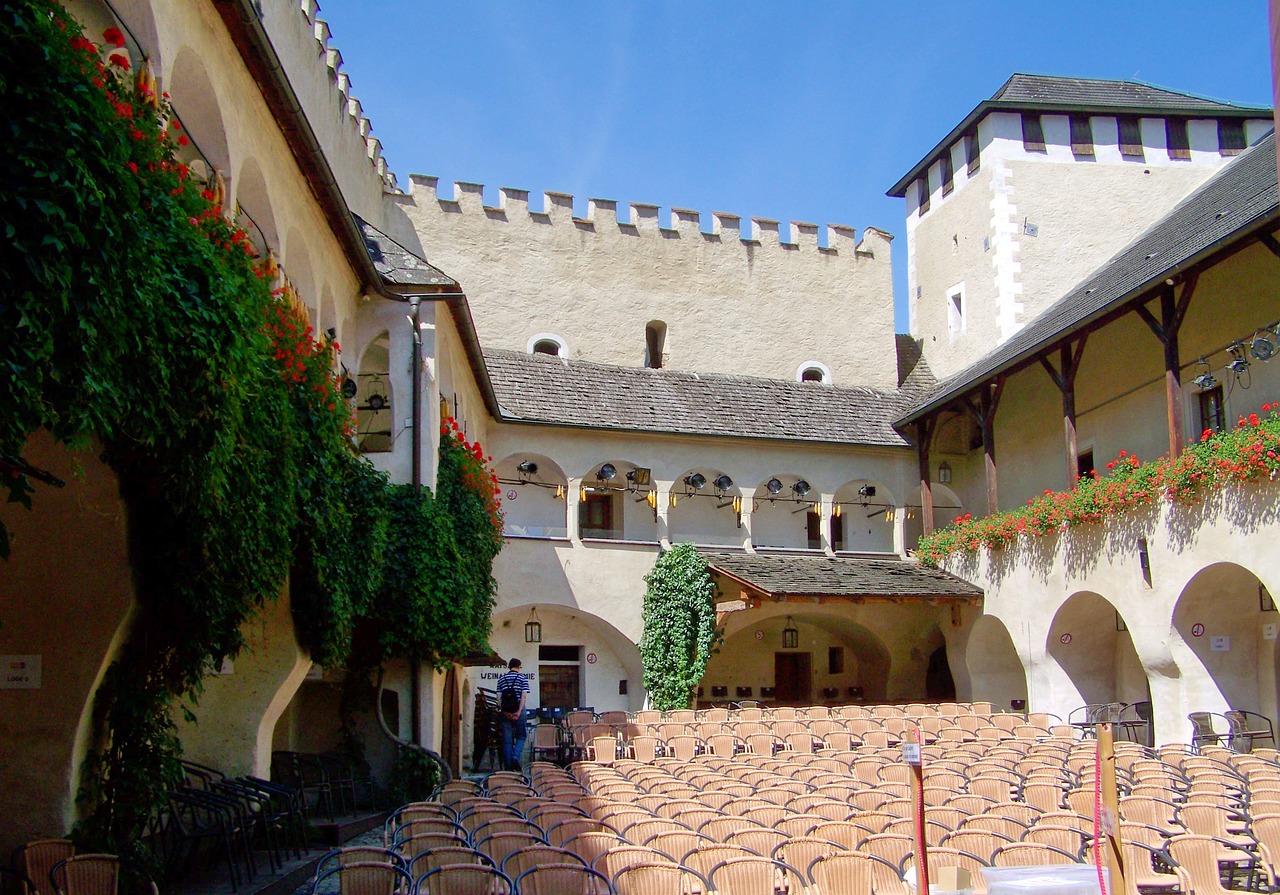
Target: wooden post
(915,761)
(1064,377)
(984,414)
(924,435)
(1107,821)
(1173,308)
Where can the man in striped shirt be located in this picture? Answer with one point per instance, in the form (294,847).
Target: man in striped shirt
(513,689)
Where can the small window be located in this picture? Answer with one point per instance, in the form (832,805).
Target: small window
(837,532)
(1084,464)
(547,343)
(948,174)
(1131,137)
(956,324)
(1231,136)
(1032,133)
(1177,139)
(1212,411)
(813,524)
(597,516)
(922,187)
(655,337)
(835,660)
(972,152)
(1081,136)
(813,371)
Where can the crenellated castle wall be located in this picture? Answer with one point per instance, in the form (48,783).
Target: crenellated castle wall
(314,67)
(740,298)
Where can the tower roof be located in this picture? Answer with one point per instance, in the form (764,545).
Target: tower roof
(1048,93)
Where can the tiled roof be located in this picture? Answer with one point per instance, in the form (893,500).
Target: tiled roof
(540,388)
(396,264)
(813,575)
(1036,90)
(1235,202)
(1064,95)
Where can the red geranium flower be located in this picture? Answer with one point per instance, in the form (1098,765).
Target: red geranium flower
(113,36)
(182,140)
(120,60)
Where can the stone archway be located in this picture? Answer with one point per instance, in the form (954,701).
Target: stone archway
(1090,644)
(996,673)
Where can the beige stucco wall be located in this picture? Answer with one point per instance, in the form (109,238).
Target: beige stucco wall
(67,597)
(738,300)
(1029,585)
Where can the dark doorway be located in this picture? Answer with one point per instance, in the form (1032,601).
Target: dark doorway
(451,741)
(939,686)
(597,517)
(792,678)
(559,686)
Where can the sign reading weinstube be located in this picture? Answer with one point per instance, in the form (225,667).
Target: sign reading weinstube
(19,672)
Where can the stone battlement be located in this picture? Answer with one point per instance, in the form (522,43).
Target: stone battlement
(643,219)
(314,32)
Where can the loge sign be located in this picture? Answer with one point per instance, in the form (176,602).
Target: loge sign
(19,672)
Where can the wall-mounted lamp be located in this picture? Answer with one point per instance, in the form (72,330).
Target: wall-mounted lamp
(639,477)
(533,627)
(790,635)
(1262,347)
(1205,380)
(801,488)
(944,472)
(608,472)
(773,486)
(349,388)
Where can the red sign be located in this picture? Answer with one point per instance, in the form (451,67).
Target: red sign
(1064,639)
(591,658)
(1197,630)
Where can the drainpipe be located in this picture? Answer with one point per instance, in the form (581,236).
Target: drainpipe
(415,668)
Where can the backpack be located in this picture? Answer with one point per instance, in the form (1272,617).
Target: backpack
(509,701)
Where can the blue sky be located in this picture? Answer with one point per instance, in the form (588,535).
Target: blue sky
(796,111)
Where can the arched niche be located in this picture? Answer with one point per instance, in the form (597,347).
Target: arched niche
(862,517)
(195,102)
(615,504)
(705,507)
(375,403)
(846,660)
(255,212)
(996,673)
(783,513)
(581,659)
(534,488)
(1090,642)
(297,265)
(1221,616)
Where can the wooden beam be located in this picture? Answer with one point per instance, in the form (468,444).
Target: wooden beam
(1064,377)
(1270,242)
(924,438)
(989,400)
(1173,310)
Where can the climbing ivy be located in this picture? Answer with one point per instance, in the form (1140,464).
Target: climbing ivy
(679,627)
(139,321)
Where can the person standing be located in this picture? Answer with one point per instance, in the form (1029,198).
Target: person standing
(513,690)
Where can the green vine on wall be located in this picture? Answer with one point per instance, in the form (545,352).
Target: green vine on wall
(679,627)
(139,322)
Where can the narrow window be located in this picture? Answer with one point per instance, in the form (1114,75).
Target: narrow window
(835,660)
(814,525)
(923,187)
(1131,137)
(837,532)
(1032,133)
(655,337)
(1084,464)
(972,152)
(1175,130)
(1231,136)
(955,312)
(1212,412)
(948,173)
(1081,136)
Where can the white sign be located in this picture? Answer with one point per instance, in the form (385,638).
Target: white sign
(19,672)
(1271,631)
(911,753)
(227,667)
(1108,821)
(1220,644)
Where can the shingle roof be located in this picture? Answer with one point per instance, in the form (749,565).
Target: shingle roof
(396,264)
(540,388)
(1236,202)
(1046,93)
(1036,90)
(813,575)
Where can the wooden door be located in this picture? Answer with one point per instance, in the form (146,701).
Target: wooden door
(597,516)
(792,678)
(559,686)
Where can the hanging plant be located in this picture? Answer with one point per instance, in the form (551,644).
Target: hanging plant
(679,627)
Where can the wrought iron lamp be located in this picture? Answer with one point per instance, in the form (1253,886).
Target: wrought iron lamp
(790,635)
(533,627)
